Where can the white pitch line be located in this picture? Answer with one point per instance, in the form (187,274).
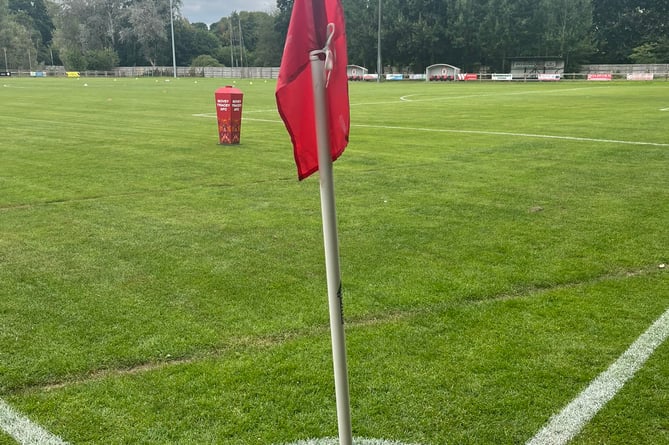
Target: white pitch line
(213,115)
(356,441)
(481,132)
(407,98)
(664,109)
(567,424)
(23,430)
(504,133)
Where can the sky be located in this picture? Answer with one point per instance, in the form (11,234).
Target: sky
(210,11)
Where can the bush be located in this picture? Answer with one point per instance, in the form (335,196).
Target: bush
(95,59)
(102,59)
(204,60)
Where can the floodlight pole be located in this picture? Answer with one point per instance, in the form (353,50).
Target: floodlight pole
(232,51)
(174,59)
(6,65)
(241,46)
(378,59)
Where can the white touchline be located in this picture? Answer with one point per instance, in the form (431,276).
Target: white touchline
(23,430)
(568,423)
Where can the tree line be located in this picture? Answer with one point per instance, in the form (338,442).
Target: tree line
(471,34)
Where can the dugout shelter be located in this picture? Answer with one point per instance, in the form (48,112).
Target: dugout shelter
(356,72)
(441,72)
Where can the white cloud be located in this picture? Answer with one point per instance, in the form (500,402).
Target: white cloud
(210,11)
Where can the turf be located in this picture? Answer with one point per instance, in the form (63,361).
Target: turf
(160,288)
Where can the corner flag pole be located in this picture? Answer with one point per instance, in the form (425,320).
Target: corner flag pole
(331,245)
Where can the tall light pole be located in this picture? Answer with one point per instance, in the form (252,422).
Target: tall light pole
(6,66)
(174,58)
(232,51)
(241,43)
(379,68)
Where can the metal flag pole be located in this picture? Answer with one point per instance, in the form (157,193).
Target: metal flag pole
(331,245)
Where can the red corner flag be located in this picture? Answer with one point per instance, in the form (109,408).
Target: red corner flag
(294,93)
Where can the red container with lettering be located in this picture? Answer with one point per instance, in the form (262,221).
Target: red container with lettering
(229,114)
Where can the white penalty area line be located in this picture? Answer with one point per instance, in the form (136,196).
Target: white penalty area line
(23,430)
(567,424)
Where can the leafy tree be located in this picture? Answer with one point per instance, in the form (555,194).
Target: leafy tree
(148,20)
(249,38)
(651,52)
(361,31)
(16,39)
(567,32)
(282,19)
(200,26)
(466,21)
(225,33)
(74,60)
(97,34)
(4,11)
(101,59)
(621,26)
(34,30)
(34,14)
(88,32)
(260,39)
(192,40)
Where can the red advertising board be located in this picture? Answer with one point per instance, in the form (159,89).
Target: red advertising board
(229,115)
(600,77)
(468,76)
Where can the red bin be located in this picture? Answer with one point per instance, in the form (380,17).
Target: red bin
(229,114)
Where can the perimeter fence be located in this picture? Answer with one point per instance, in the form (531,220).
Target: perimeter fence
(588,72)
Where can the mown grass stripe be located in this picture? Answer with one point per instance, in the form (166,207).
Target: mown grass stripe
(23,430)
(246,342)
(568,423)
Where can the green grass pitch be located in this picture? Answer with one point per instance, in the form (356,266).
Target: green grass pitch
(500,246)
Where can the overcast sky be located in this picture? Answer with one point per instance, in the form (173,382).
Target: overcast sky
(210,11)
